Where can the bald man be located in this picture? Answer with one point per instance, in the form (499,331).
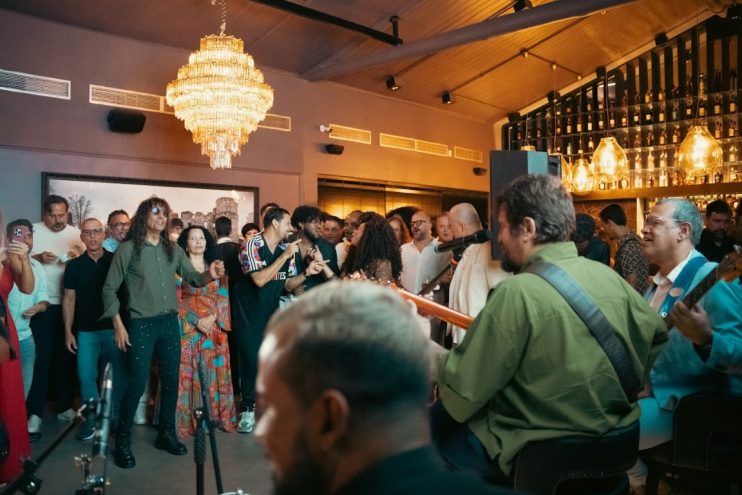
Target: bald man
(476,274)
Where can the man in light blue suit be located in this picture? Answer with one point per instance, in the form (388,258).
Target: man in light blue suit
(704,351)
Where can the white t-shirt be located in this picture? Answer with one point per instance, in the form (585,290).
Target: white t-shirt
(59,243)
(476,274)
(420,267)
(341,249)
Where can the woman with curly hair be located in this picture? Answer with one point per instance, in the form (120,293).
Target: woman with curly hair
(374,252)
(401,232)
(205,321)
(148,262)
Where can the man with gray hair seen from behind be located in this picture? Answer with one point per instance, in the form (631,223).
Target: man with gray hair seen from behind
(476,274)
(343,391)
(704,352)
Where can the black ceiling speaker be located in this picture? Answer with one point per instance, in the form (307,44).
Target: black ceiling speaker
(127,121)
(334,149)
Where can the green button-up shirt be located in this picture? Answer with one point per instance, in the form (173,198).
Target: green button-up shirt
(529,369)
(150,279)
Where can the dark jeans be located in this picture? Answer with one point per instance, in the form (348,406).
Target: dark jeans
(53,362)
(249,339)
(158,335)
(460,448)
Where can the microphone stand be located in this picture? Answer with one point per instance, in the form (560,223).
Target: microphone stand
(203,417)
(26,482)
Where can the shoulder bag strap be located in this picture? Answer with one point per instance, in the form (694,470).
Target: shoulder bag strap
(599,326)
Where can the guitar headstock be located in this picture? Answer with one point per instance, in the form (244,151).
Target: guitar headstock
(730,267)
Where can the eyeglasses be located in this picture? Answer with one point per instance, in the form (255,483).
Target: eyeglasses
(119,225)
(92,232)
(654,222)
(156,210)
(418,223)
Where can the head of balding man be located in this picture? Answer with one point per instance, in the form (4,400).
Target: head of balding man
(464,220)
(421,227)
(92,234)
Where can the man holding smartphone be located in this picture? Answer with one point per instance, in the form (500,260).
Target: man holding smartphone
(55,243)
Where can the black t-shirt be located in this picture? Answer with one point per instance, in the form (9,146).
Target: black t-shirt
(710,250)
(255,305)
(86,277)
(229,253)
(329,254)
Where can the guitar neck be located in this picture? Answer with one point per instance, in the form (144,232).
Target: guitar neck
(438,310)
(695,294)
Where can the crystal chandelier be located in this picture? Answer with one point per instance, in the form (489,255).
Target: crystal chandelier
(220,96)
(699,153)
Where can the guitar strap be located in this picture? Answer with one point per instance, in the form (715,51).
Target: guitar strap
(682,284)
(602,329)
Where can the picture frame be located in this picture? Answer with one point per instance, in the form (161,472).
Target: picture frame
(194,203)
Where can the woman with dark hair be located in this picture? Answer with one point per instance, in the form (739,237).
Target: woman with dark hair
(374,250)
(399,227)
(204,318)
(15,268)
(148,261)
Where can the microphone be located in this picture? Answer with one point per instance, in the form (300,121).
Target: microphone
(476,238)
(103,414)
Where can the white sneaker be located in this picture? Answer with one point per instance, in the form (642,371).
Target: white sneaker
(140,416)
(247,422)
(34,424)
(67,415)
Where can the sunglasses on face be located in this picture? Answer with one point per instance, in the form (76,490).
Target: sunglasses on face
(157,210)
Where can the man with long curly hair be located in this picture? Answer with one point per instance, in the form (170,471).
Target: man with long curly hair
(148,261)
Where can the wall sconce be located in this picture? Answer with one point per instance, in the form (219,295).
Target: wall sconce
(447,98)
(391,83)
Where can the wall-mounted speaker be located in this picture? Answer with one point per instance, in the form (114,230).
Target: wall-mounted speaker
(127,121)
(334,149)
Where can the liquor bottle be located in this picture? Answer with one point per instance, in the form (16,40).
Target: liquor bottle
(663,138)
(732,105)
(732,129)
(648,96)
(568,130)
(661,95)
(589,123)
(663,174)
(601,121)
(569,147)
(661,116)
(648,111)
(732,157)
(624,111)
(637,140)
(675,113)
(717,89)
(689,100)
(650,170)
(578,126)
(702,85)
(650,138)
(638,180)
(590,143)
(637,115)
(717,129)
(675,135)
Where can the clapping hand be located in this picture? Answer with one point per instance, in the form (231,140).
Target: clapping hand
(206,324)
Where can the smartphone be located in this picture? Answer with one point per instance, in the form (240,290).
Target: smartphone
(20,233)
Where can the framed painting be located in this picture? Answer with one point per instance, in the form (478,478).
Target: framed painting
(193,203)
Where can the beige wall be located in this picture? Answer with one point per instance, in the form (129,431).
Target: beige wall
(71,136)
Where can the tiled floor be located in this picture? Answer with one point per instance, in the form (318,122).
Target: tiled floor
(242,465)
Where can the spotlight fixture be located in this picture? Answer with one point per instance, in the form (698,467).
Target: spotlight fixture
(391,83)
(522,4)
(661,41)
(447,98)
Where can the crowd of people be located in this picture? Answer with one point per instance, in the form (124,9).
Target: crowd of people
(256,322)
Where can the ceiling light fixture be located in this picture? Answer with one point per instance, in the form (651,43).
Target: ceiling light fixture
(220,95)
(447,98)
(391,83)
(699,153)
(609,160)
(522,4)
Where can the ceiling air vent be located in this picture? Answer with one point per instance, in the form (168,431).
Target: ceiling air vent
(122,98)
(276,122)
(411,144)
(20,82)
(467,154)
(344,133)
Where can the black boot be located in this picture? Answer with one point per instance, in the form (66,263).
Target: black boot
(122,454)
(167,440)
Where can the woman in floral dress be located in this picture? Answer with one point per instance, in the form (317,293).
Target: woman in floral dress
(204,318)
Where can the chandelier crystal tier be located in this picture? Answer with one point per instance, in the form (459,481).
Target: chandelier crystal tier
(220,96)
